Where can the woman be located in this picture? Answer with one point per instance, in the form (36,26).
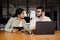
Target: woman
(16,21)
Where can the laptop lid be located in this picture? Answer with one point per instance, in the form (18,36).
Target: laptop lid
(45,27)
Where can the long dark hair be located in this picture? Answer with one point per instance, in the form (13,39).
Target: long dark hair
(18,12)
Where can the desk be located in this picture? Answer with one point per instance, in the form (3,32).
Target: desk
(23,36)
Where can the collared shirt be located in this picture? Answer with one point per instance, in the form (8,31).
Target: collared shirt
(33,21)
(14,22)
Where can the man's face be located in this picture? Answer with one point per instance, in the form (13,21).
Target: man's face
(39,13)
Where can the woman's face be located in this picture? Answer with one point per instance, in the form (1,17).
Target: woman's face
(21,15)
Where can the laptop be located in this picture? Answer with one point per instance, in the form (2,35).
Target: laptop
(45,27)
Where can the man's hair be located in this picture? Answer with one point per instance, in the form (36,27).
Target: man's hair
(40,7)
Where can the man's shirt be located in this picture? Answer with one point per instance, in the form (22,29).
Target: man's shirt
(33,21)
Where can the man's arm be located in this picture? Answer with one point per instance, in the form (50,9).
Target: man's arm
(32,24)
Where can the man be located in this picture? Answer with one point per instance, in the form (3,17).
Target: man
(39,17)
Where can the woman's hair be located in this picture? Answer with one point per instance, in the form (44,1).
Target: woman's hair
(18,12)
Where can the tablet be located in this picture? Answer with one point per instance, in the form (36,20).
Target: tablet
(19,28)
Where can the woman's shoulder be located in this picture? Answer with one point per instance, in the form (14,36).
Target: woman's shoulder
(23,19)
(12,18)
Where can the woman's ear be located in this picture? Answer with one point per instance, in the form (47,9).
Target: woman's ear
(18,15)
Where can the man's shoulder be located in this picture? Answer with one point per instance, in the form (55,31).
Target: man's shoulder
(34,18)
(46,17)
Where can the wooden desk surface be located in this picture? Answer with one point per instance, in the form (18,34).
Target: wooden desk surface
(22,36)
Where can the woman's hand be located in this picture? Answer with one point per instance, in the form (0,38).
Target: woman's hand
(15,30)
(23,30)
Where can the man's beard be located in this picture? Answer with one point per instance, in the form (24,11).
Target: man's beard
(39,16)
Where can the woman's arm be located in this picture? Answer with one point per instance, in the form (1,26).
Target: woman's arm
(25,24)
(8,26)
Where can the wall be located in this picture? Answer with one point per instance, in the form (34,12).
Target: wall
(55,8)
